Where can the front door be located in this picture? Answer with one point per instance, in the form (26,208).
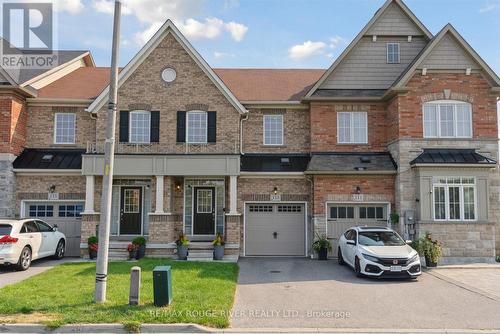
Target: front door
(204,211)
(131,210)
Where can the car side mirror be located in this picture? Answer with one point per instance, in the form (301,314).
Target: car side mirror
(351,242)
(408,242)
(54,228)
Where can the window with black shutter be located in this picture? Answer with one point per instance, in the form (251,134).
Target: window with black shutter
(181,126)
(124,126)
(212,127)
(155,127)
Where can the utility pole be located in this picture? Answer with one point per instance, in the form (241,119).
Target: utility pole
(101,273)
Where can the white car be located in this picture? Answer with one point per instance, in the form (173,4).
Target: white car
(378,251)
(22,241)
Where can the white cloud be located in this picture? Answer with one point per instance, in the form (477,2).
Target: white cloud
(221,55)
(181,12)
(306,50)
(73,7)
(489,7)
(335,41)
(237,30)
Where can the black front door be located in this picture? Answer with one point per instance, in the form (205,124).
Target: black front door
(131,210)
(204,211)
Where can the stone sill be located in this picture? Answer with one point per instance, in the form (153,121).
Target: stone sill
(479,222)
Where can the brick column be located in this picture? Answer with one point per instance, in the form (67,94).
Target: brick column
(161,228)
(89,229)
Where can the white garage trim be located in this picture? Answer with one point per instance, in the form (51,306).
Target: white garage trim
(22,209)
(275,202)
(356,203)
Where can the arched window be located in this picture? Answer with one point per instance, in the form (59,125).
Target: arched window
(447,119)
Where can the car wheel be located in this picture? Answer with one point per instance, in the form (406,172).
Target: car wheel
(60,250)
(340,258)
(357,268)
(24,259)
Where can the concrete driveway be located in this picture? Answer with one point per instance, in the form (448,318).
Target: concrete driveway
(8,275)
(287,293)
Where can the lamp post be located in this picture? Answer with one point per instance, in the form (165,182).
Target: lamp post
(101,274)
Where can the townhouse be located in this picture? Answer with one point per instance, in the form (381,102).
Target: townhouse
(401,130)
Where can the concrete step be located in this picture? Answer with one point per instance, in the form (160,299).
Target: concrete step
(195,245)
(200,254)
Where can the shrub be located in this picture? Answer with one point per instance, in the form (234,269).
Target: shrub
(219,240)
(139,241)
(92,241)
(322,243)
(182,241)
(428,247)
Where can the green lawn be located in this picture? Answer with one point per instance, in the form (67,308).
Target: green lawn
(203,293)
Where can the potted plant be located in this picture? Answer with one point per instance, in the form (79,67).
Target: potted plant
(182,247)
(93,246)
(132,251)
(140,243)
(218,247)
(429,248)
(322,246)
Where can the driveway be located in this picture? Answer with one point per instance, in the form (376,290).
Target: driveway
(306,293)
(8,275)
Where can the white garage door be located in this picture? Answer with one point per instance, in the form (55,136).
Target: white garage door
(275,229)
(341,217)
(66,215)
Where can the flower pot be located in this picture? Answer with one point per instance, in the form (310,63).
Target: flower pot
(218,252)
(92,254)
(182,252)
(429,263)
(132,254)
(141,251)
(323,254)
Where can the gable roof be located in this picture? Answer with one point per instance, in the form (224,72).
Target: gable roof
(363,32)
(167,28)
(448,29)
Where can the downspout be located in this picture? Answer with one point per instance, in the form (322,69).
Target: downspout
(242,118)
(310,179)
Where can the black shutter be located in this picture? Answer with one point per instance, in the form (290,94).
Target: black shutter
(155,127)
(212,127)
(181,126)
(124,120)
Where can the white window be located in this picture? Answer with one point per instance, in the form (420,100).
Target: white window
(273,129)
(140,127)
(447,119)
(455,199)
(352,128)
(196,127)
(64,128)
(393,56)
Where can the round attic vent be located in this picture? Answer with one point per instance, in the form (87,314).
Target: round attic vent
(168,75)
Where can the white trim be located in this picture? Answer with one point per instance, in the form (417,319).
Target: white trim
(167,28)
(160,190)
(143,112)
(351,127)
(55,128)
(245,203)
(233,195)
(120,186)
(398,54)
(362,33)
(453,103)
(89,194)
(461,186)
(264,129)
(42,101)
(187,126)
(24,202)
(192,210)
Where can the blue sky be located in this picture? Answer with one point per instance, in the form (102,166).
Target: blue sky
(262,33)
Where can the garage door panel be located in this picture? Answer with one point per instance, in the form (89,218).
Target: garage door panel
(286,220)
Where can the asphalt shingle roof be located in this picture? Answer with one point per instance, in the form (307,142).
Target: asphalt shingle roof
(351,162)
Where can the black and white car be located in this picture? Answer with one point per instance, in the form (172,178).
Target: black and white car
(22,241)
(377,252)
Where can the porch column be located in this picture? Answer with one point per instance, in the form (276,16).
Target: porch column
(233,195)
(159,194)
(89,194)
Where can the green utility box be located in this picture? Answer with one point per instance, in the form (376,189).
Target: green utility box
(162,285)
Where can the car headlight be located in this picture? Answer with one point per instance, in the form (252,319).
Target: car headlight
(370,257)
(414,258)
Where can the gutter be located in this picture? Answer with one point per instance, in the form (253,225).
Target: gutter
(58,102)
(35,171)
(382,172)
(456,165)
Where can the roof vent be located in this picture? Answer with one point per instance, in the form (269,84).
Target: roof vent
(285,161)
(47,157)
(365,160)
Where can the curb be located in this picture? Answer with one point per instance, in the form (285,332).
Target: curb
(194,328)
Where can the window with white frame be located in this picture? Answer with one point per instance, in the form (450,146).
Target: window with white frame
(64,129)
(447,119)
(140,127)
(393,54)
(352,127)
(273,129)
(196,127)
(455,199)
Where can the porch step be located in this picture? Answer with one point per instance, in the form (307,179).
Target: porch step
(201,245)
(200,255)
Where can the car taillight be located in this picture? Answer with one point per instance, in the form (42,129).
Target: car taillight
(7,239)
